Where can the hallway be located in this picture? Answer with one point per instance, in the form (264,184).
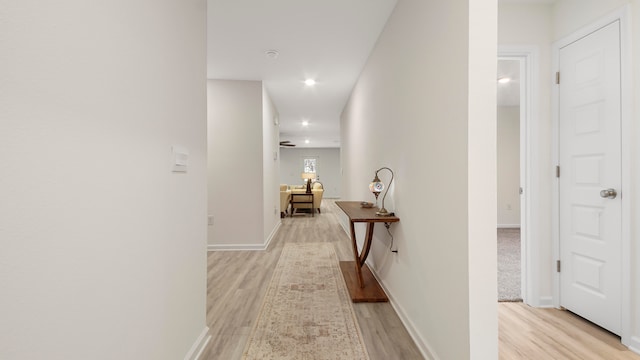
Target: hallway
(237,281)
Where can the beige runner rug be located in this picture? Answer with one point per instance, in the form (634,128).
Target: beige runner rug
(307,313)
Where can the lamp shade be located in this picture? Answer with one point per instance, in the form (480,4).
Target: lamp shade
(376,187)
(308,176)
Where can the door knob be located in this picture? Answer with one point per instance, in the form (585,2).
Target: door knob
(608,193)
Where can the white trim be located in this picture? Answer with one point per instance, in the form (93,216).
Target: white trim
(199,345)
(623,15)
(273,234)
(529,178)
(546,302)
(246,247)
(555,191)
(508,226)
(627,106)
(635,340)
(423,345)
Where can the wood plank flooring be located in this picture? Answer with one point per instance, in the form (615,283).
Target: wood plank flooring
(237,281)
(530,333)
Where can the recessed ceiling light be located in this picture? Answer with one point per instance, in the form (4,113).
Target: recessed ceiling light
(309,82)
(306,141)
(504,80)
(305,123)
(272,54)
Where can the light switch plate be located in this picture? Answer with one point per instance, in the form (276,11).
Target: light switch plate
(179,159)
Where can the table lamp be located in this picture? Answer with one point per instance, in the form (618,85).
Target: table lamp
(376,186)
(308,177)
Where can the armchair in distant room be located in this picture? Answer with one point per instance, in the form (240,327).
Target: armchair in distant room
(285,197)
(318,191)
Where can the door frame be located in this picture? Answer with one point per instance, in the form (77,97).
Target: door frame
(529,205)
(623,16)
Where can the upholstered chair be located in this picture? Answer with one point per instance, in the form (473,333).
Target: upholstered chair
(285,197)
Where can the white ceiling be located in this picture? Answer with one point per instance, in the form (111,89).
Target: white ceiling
(328,40)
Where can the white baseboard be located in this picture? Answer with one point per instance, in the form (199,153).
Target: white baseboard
(508,226)
(236,247)
(545,302)
(199,345)
(273,234)
(421,343)
(246,247)
(634,345)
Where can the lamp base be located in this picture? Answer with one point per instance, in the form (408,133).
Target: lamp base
(383,212)
(309,187)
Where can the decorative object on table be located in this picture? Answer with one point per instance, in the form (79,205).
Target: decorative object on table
(308,177)
(376,186)
(366,204)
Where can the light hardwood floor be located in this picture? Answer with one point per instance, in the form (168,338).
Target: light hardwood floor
(237,281)
(531,333)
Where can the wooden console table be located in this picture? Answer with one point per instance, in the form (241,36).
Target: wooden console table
(362,285)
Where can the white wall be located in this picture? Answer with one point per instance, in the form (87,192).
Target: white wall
(428,89)
(508,166)
(566,18)
(328,168)
(235,119)
(244,192)
(270,166)
(103,248)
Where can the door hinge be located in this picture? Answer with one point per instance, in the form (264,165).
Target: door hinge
(558,267)
(521,191)
(557,77)
(557,171)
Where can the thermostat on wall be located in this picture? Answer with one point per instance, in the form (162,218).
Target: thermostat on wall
(179,157)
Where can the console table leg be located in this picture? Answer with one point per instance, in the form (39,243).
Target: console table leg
(367,244)
(356,256)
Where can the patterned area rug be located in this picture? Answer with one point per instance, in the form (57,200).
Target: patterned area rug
(307,312)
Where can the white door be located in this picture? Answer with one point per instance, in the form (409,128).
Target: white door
(590,163)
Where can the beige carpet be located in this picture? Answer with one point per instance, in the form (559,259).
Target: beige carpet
(509,265)
(306,313)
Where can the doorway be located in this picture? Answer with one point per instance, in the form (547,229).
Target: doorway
(525,60)
(509,171)
(591,222)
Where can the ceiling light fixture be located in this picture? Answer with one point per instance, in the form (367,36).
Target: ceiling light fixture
(305,123)
(272,54)
(306,141)
(504,80)
(309,82)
